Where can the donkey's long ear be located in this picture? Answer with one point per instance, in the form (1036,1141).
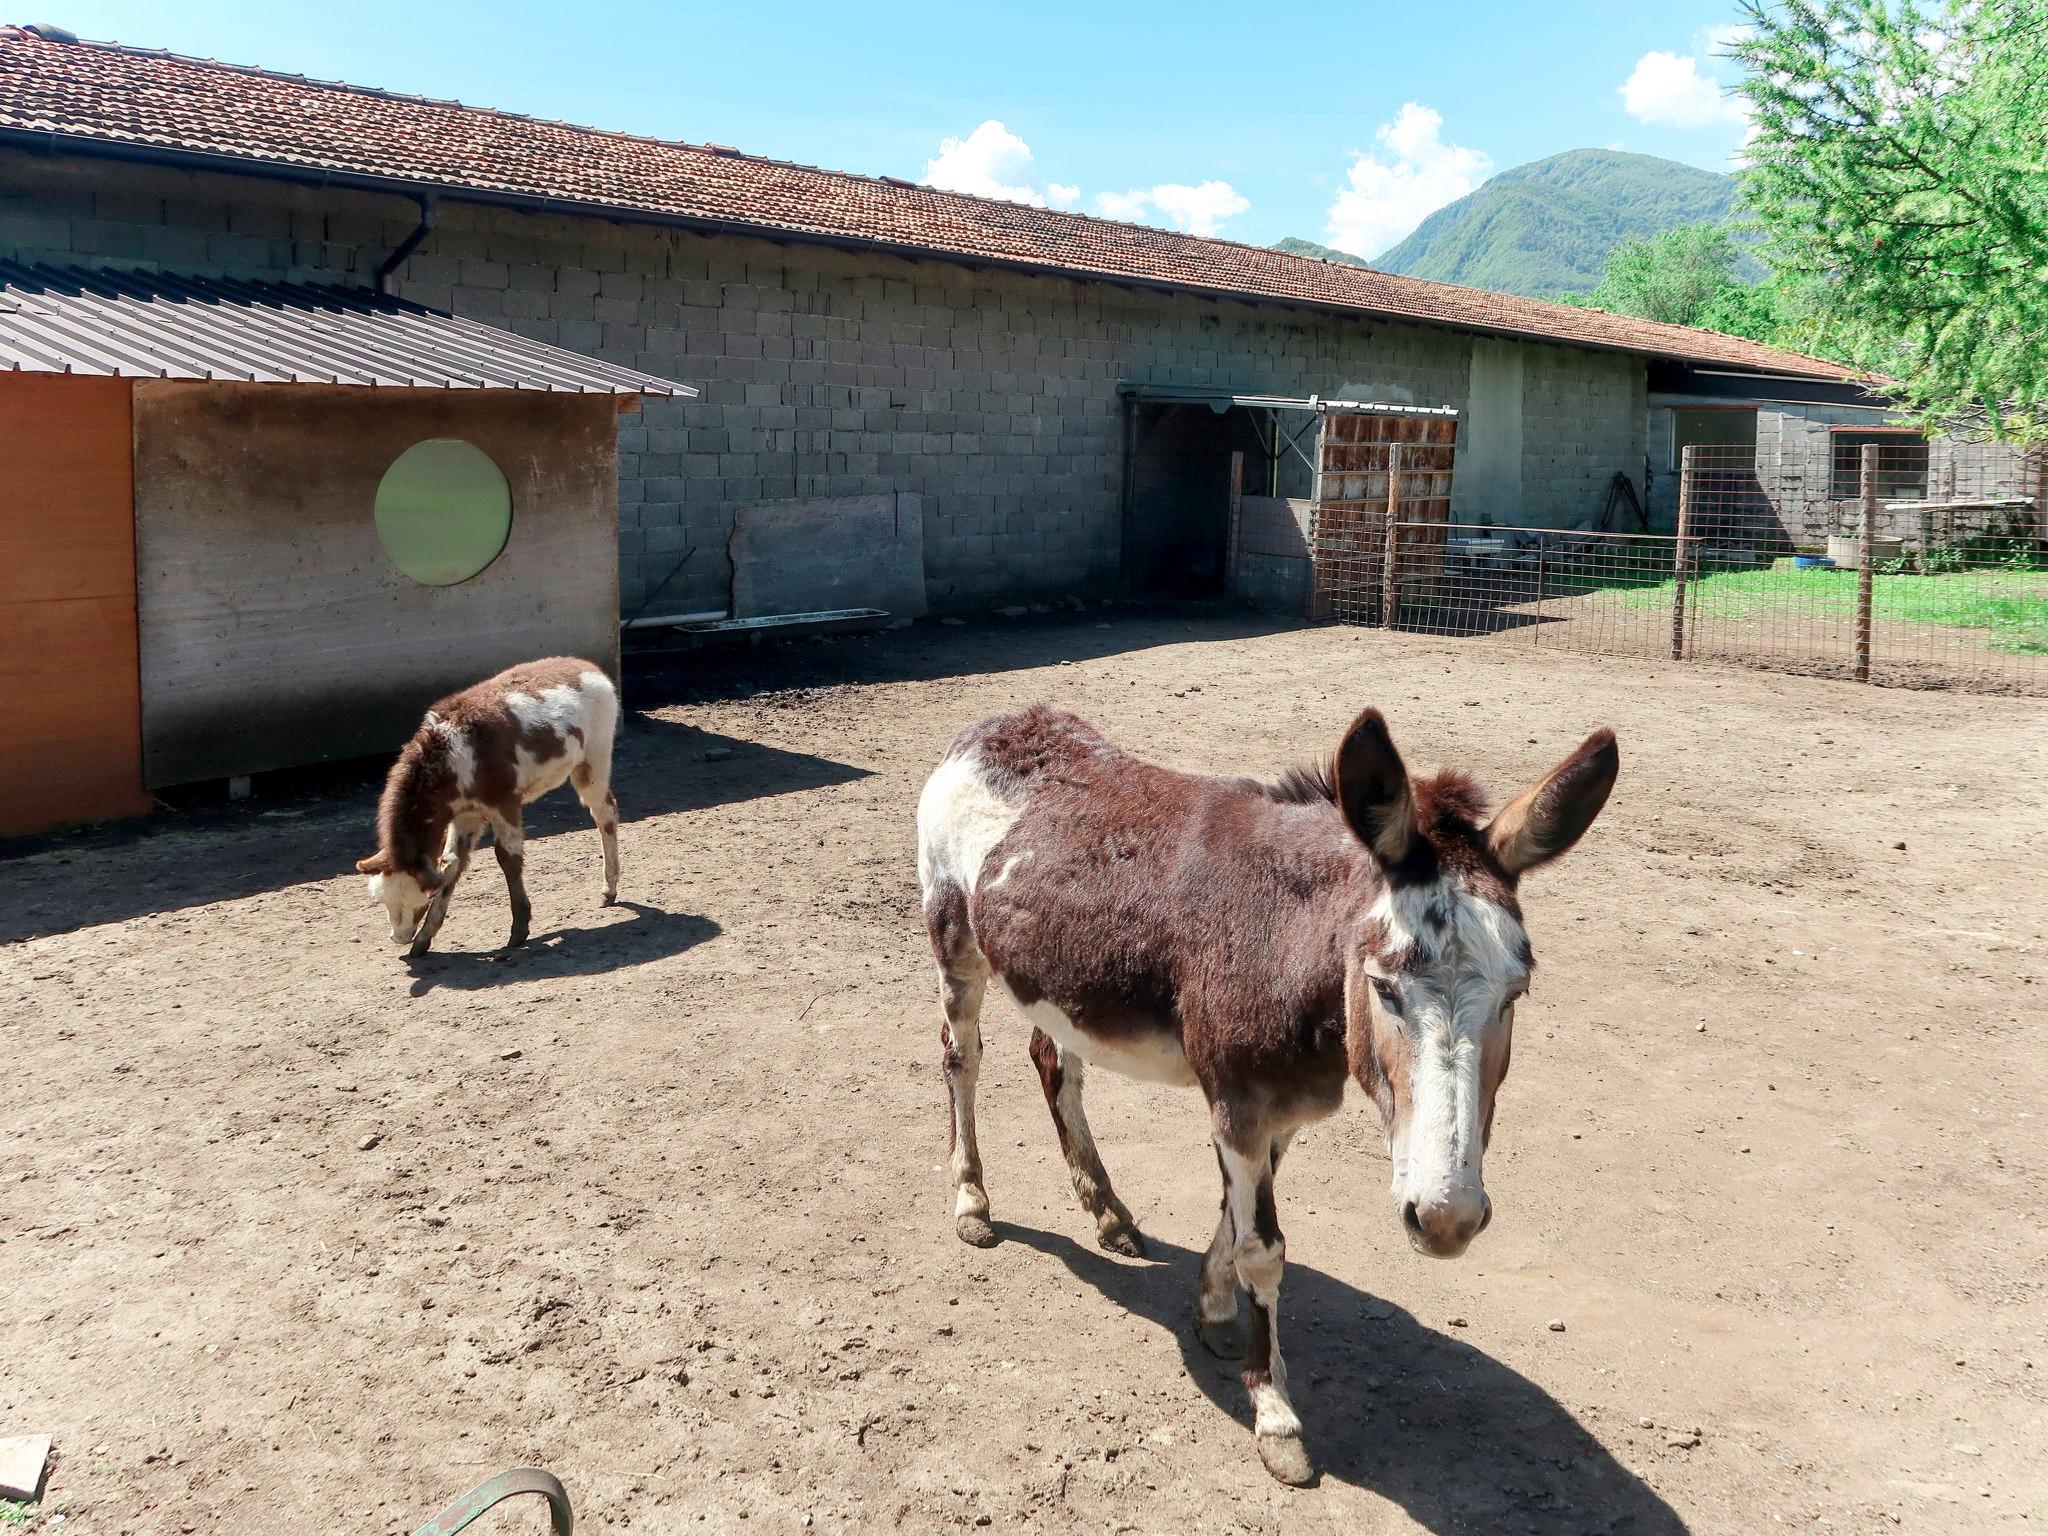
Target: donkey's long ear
(1372,789)
(378,863)
(1541,823)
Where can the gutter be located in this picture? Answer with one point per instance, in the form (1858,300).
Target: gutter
(429,209)
(50,140)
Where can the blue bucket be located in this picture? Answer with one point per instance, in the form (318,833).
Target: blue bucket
(1812,563)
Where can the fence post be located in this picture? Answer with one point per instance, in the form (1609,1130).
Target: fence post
(1390,586)
(1230,572)
(1688,465)
(1536,633)
(1865,543)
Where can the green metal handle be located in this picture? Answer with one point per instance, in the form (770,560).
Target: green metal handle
(504,1486)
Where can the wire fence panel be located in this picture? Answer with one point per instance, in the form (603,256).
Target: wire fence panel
(1901,569)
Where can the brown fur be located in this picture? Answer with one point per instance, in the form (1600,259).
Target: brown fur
(419,793)
(1234,920)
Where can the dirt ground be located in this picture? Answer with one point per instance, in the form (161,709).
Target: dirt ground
(301,1236)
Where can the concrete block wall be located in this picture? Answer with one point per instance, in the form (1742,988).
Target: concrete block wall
(1582,420)
(827,373)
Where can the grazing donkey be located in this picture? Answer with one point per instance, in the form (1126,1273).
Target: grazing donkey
(477,758)
(1262,941)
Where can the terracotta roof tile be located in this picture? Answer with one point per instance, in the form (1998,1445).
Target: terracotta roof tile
(124,96)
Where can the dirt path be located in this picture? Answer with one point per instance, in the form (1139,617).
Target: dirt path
(298,1237)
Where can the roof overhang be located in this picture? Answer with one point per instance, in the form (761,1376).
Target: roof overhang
(1674,376)
(1220,399)
(152,325)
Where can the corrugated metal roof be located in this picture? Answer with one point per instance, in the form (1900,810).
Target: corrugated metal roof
(152,325)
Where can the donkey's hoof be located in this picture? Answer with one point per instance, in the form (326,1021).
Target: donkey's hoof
(975,1231)
(1224,1339)
(1286,1460)
(1121,1237)
(419,948)
(611,899)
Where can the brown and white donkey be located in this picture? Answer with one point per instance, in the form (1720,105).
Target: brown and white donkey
(478,757)
(1261,941)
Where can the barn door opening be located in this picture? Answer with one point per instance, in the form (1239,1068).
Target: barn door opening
(1177,486)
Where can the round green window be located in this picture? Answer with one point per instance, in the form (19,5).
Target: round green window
(444,511)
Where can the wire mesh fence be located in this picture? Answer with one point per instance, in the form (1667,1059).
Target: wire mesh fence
(1899,568)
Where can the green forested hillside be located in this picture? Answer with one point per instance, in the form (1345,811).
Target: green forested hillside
(1546,227)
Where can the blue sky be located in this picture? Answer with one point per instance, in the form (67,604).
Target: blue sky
(1337,124)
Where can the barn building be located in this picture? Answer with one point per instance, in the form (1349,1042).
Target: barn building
(1044,402)
(253,525)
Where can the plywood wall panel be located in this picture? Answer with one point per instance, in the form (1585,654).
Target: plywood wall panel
(67,604)
(274,629)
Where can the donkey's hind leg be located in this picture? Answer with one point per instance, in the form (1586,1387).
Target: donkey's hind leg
(594,788)
(1060,1073)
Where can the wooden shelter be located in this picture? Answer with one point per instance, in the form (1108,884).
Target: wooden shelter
(255,525)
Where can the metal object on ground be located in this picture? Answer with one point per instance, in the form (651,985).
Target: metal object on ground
(506,1485)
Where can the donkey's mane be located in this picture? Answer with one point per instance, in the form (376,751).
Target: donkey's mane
(403,815)
(1442,800)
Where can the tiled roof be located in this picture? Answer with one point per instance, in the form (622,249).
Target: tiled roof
(152,101)
(143,325)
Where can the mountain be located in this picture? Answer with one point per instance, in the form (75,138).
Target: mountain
(1295,246)
(1546,227)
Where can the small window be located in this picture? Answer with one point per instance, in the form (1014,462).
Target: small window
(1901,466)
(1714,427)
(443,511)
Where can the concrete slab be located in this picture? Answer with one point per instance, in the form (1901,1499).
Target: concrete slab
(23,1461)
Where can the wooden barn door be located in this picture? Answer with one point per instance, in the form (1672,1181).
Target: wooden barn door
(67,604)
(1376,469)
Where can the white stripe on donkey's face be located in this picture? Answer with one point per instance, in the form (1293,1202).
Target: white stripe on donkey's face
(1443,1020)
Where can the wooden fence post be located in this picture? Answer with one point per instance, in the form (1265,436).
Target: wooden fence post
(1390,585)
(1230,572)
(1687,470)
(1865,544)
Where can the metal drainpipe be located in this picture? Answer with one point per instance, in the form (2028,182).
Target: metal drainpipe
(390,264)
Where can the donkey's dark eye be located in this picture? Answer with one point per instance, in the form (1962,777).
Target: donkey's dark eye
(1389,998)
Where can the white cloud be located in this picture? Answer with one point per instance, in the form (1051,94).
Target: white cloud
(1390,190)
(1129,206)
(994,162)
(1683,90)
(989,162)
(1199,210)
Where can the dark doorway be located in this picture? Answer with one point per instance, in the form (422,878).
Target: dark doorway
(1177,493)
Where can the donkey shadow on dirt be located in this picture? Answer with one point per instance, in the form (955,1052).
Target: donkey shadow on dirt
(572,949)
(1457,1439)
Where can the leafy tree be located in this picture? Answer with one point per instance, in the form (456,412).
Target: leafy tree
(1675,275)
(1900,169)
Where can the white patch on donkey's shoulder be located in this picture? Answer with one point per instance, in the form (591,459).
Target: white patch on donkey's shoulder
(960,819)
(461,753)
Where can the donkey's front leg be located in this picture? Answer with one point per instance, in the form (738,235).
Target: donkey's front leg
(454,864)
(1260,1254)
(510,846)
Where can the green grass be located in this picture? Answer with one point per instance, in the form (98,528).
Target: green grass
(2011,604)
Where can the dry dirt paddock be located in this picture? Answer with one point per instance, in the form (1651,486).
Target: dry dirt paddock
(302,1237)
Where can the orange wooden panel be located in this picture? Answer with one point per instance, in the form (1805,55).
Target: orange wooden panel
(67,604)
